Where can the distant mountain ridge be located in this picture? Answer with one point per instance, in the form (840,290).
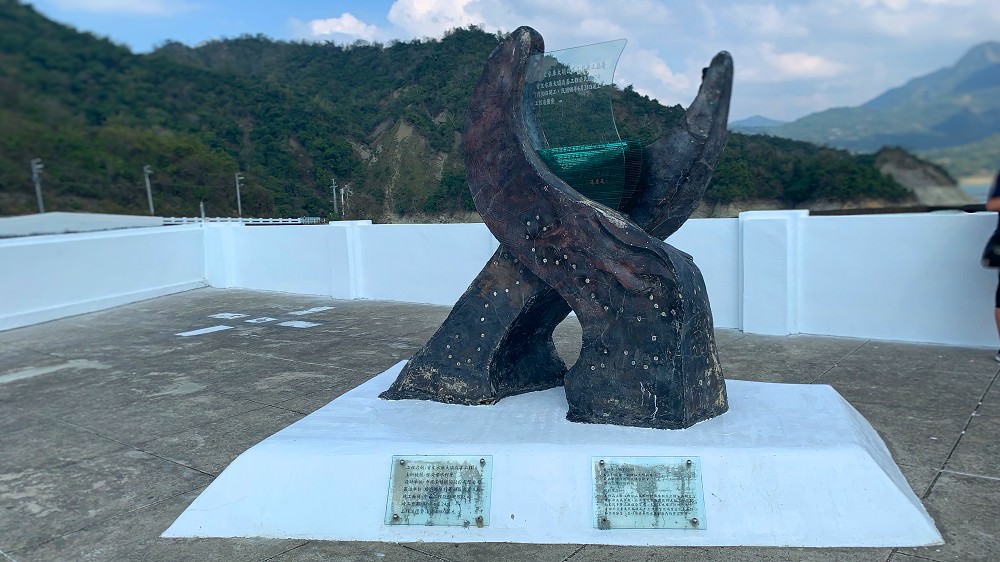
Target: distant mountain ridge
(979,68)
(755,124)
(950,107)
(754,121)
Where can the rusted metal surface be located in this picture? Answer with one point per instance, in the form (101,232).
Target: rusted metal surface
(496,342)
(648,357)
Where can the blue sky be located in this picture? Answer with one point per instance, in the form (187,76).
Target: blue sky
(791,58)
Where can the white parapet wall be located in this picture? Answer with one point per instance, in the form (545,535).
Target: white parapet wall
(313,260)
(431,263)
(905,277)
(47,277)
(897,277)
(426,263)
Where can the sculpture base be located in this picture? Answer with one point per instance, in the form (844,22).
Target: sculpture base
(788,465)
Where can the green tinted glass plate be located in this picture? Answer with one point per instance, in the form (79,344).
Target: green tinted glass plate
(648,493)
(607,173)
(569,92)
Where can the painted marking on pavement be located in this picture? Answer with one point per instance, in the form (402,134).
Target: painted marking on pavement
(298,324)
(31,372)
(310,310)
(180,388)
(229,315)
(260,320)
(205,331)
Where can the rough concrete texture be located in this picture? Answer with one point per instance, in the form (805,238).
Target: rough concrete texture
(110,424)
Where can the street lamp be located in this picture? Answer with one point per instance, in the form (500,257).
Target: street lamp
(345,198)
(239,204)
(146,172)
(333,189)
(36,176)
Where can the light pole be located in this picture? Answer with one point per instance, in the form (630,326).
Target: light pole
(345,198)
(36,176)
(146,172)
(239,203)
(333,187)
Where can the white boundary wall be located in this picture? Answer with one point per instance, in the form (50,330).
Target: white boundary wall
(910,277)
(47,277)
(897,277)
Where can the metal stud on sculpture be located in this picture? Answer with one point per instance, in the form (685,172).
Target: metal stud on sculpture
(648,356)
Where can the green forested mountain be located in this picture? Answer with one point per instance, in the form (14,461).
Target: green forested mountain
(384,120)
(796,173)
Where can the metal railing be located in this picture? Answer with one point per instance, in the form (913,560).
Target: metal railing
(245,220)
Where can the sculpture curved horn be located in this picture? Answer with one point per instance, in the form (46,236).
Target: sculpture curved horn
(679,165)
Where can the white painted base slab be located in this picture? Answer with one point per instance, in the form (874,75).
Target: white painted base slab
(788,465)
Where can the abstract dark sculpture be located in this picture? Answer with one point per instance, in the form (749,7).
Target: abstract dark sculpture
(648,356)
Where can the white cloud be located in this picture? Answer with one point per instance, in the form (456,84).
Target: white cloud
(344,25)
(902,5)
(564,23)
(597,26)
(144,7)
(767,20)
(918,19)
(797,65)
(651,66)
(431,18)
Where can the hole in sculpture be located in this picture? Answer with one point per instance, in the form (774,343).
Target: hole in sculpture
(569,339)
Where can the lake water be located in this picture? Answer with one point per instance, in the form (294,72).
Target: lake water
(977,190)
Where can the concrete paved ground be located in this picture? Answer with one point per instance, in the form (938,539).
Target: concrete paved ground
(111,424)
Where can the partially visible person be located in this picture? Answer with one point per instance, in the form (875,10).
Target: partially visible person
(993,204)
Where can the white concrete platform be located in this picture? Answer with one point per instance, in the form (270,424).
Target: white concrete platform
(788,465)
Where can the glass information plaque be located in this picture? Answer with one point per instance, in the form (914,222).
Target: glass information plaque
(570,93)
(648,493)
(440,490)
